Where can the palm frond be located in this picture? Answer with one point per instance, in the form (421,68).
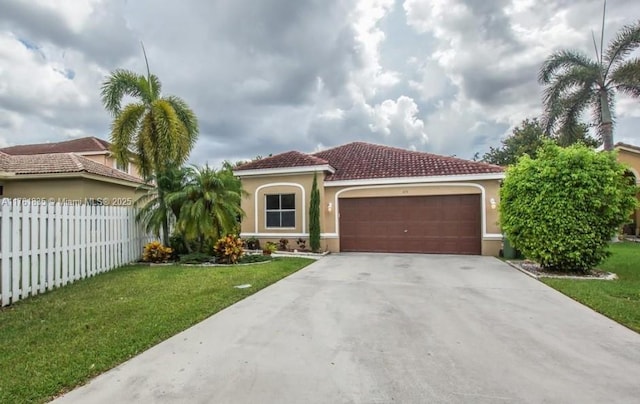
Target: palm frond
(118,84)
(124,129)
(563,60)
(144,147)
(626,41)
(171,132)
(574,105)
(190,122)
(626,77)
(578,80)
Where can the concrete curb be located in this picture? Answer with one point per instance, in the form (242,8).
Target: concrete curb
(610,276)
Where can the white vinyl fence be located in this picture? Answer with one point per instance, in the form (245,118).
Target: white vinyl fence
(47,245)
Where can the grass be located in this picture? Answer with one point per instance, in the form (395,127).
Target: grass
(56,341)
(618,299)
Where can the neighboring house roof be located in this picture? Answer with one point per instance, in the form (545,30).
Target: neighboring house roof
(59,163)
(80,145)
(282,160)
(626,146)
(359,160)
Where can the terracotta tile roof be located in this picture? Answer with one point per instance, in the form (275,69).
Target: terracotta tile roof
(59,163)
(283,160)
(627,146)
(359,160)
(80,145)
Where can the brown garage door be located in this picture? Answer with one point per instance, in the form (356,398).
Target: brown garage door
(447,224)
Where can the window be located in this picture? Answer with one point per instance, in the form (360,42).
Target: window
(122,167)
(281,210)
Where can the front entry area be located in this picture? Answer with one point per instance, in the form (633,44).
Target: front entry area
(441,224)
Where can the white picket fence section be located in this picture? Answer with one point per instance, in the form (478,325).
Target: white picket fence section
(44,246)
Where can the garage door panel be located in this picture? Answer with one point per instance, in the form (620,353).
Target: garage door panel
(424,224)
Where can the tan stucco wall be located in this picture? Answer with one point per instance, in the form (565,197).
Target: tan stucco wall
(632,159)
(491,244)
(69,189)
(295,182)
(110,161)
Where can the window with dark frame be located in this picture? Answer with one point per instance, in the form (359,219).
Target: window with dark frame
(281,210)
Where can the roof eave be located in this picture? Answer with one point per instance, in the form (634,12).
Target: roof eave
(284,170)
(416,180)
(75,174)
(627,149)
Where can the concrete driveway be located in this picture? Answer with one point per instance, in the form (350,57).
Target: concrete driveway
(369,328)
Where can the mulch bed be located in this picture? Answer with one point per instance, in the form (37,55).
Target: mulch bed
(535,270)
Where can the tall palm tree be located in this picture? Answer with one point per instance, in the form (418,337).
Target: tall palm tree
(160,130)
(210,204)
(574,83)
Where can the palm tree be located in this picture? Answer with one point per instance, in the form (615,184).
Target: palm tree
(153,210)
(160,130)
(574,83)
(210,204)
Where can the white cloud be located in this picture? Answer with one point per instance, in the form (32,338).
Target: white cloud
(76,13)
(276,75)
(50,88)
(398,118)
(372,76)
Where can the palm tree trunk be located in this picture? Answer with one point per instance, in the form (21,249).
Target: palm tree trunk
(165,219)
(606,125)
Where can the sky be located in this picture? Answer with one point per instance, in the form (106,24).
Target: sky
(451,77)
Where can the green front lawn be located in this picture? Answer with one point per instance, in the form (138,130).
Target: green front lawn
(619,299)
(53,342)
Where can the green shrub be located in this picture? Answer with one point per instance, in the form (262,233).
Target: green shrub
(196,258)
(156,252)
(229,249)
(314,216)
(563,208)
(252,243)
(270,247)
(250,259)
(181,245)
(283,244)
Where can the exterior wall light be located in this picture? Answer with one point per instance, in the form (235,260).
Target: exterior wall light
(492,202)
(329,207)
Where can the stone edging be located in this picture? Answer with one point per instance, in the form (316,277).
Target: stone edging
(315,256)
(610,275)
(177,264)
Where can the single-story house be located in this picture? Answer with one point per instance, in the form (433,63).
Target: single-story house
(375,198)
(630,155)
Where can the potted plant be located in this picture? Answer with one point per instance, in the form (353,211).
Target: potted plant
(269,248)
(302,244)
(253,243)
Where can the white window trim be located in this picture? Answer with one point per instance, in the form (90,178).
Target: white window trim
(115,165)
(285,170)
(277,184)
(415,180)
(280,211)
